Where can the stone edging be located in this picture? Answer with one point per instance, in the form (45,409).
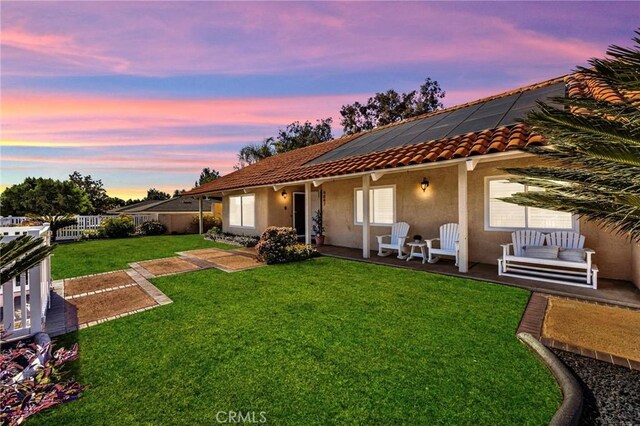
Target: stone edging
(104,290)
(571,408)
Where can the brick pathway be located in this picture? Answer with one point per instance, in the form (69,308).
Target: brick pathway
(116,294)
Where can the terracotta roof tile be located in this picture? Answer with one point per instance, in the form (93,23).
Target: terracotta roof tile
(271,170)
(293,166)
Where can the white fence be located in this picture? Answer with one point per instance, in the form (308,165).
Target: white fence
(24,300)
(85,223)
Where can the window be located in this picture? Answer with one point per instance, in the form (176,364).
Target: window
(382,205)
(242,211)
(506,216)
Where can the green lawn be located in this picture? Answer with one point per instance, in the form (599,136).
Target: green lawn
(317,342)
(92,257)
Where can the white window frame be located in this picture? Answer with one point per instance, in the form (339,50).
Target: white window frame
(371,188)
(487,211)
(241,211)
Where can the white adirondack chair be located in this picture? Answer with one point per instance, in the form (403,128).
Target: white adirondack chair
(449,236)
(399,233)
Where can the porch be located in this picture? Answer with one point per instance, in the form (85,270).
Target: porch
(609,291)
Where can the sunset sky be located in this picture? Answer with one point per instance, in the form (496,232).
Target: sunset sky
(146,94)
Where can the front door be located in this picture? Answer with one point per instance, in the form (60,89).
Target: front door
(298,210)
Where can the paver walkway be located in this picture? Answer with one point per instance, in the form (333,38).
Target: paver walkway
(81,302)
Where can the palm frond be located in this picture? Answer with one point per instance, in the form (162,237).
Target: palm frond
(20,255)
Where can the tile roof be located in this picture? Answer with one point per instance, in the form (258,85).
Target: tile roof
(580,85)
(298,165)
(478,143)
(271,170)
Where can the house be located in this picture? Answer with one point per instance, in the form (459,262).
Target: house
(175,213)
(429,170)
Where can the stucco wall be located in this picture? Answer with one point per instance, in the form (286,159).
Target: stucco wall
(271,209)
(425,212)
(262,208)
(176,223)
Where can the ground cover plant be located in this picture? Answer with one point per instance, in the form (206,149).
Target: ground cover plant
(92,257)
(357,343)
(28,387)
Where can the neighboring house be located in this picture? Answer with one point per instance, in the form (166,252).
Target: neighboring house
(175,213)
(459,150)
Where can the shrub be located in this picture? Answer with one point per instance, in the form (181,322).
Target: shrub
(92,234)
(118,227)
(46,389)
(208,221)
(216,234)
(300,252)
(152,227)
(280,245)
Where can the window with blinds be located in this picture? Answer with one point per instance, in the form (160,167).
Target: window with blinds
(242,211)
(382,206)
(500,215)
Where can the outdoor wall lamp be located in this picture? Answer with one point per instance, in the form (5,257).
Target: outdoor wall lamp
(424,184)
(284,194)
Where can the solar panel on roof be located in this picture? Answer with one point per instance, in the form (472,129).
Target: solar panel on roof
(494,113)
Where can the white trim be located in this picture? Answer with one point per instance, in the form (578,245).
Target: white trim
(355,205)
(463,219)
(487,222)
(241,208)
(366,193)
(307,213)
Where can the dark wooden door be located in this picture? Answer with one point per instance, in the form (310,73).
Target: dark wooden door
(298,213)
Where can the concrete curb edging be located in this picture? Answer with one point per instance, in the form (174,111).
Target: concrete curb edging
(571,408)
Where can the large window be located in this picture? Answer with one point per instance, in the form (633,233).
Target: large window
(242,211)
(506,216)
(382,205)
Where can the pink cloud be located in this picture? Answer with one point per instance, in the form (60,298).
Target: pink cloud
(71,120)
(228,38)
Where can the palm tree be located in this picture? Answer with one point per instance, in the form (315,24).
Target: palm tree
(56,222)
(593,147)
(20,255)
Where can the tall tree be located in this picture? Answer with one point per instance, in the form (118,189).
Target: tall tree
(389,107)
(179,192)
(297,135)
(156,194)
(253,153)
(593,147)
(42,196)
(94,190)
(207,175)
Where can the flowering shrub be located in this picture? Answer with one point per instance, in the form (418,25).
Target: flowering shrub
(46,389)
(280,245)
(216,234)
(152,227)
(300,252)
(118,227)
(208,221)
(92,234)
